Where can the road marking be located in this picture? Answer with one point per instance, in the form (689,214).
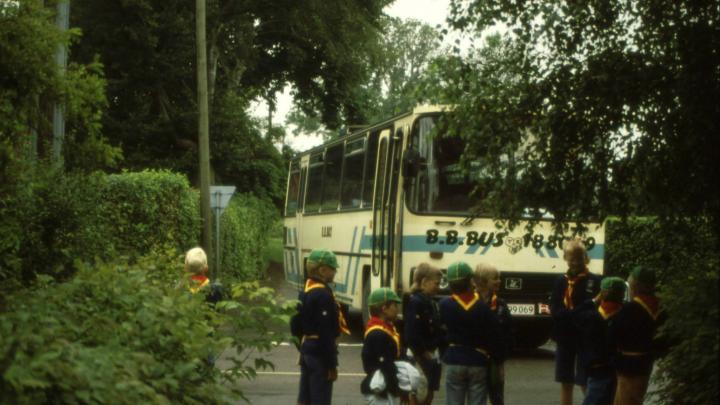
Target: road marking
(341,344)
(298,373)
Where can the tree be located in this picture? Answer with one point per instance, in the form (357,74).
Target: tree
(395,65)
(147,49)
(622,98)
(29,83)
(609,108)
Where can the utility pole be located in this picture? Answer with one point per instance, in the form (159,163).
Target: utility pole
(203,126)
(62,21)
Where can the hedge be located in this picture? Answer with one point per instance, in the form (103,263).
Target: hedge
(684,252)
(145,210)
(245,227)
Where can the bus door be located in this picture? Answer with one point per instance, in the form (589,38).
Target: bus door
(298,236)
(384,209)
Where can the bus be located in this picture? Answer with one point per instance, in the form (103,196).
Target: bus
(393,195)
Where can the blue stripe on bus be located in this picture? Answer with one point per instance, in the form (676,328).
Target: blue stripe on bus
(551,252)
(485,249)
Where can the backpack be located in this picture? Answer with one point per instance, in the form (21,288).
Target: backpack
(296,323)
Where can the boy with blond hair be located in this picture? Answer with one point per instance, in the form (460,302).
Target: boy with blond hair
(473,336)
(573,288)
(424,334)
(487,284)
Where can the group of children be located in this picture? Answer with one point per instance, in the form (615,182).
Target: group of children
(469,331)
(605,345)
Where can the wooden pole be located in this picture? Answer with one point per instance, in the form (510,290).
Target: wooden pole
(203,128)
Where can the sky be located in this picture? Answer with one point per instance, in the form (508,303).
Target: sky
(432,12)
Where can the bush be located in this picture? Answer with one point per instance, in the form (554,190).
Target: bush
(50,220)
(117,333)
(146,210)
(684,252)
(245,227)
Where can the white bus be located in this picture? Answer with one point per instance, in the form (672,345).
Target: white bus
(357,196)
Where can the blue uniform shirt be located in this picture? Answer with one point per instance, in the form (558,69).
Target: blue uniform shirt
(473,332)
(320,322)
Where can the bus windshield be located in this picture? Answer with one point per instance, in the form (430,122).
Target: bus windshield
(442,185)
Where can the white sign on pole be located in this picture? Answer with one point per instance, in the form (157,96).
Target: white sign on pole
(220,196)
(219,199)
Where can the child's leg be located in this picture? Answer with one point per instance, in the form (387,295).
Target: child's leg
(320,388)
(565,371)
(304,391)
(477,385)
(455,384)
(566,393)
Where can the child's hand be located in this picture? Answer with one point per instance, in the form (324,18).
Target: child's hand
(332,374)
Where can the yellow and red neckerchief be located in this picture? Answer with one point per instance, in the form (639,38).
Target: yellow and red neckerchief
(650,304)
(571,280)
(608,309)
(311,284)
(466,300)
(493,302)
(375,323)
(197,282)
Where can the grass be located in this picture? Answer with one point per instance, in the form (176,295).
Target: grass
(273,251)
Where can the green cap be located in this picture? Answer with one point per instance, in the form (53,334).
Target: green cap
(643,275)
(382,295)
(323,257)
(459,271)
(613,284)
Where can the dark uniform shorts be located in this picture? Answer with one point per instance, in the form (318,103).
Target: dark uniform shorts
(567,366)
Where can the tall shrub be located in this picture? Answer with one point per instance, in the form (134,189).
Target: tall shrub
(148,209)
(245,226)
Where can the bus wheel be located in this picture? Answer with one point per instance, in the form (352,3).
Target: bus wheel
(532,334)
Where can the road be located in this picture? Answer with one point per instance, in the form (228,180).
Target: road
(529,378)
(529,374)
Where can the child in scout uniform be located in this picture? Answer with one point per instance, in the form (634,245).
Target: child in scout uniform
(321,323)
(593,319)
(423,330)
(196,269)
(487,284)
(633,335)
(473,336)
(381,348)
(571,289)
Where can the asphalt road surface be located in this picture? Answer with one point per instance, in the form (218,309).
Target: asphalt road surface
(529,374)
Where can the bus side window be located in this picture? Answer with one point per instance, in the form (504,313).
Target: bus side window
(293,191)
(314,187)
(370,161)
(331,178)
(301,195)
(352,183)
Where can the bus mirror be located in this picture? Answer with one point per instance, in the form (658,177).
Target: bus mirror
(411,163)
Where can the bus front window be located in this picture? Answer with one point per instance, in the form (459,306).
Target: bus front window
(441,186)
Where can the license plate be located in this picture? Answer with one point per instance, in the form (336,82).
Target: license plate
(522,309)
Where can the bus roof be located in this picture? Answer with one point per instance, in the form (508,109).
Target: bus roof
(420,109)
